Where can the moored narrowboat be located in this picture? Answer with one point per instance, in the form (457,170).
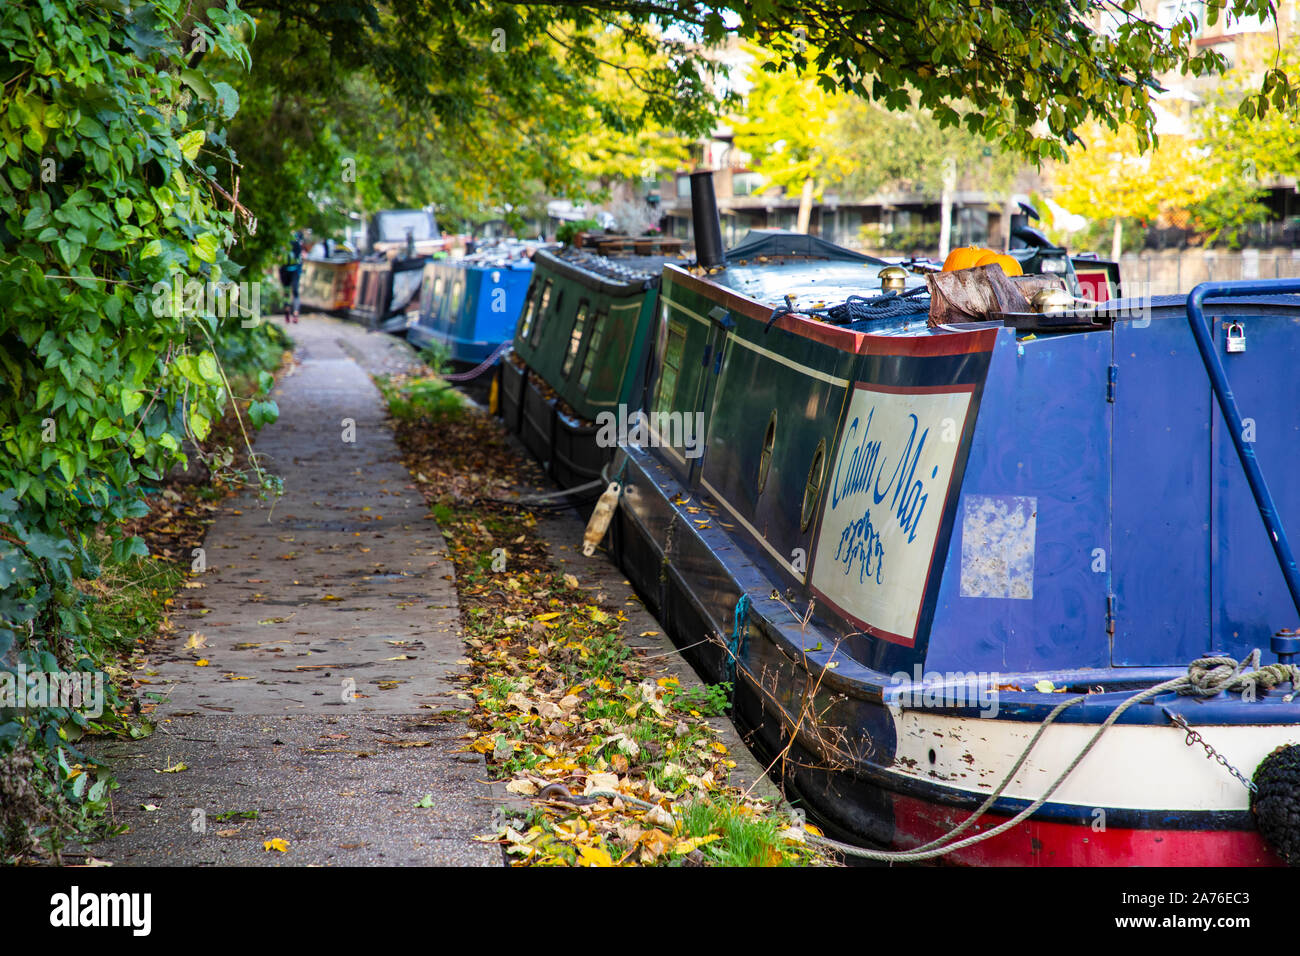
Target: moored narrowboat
(579,352)
(388,293)
(959,558)
(381,287)
(469,305)
(329,285)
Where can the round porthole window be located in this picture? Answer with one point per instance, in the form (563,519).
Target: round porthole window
(813,489)
(765,455)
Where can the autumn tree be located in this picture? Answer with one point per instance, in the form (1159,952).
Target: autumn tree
(784,127)
(1108,177)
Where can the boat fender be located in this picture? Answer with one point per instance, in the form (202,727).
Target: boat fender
(1275,802)
(600,518)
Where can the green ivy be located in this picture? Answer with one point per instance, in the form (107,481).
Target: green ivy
(115,234)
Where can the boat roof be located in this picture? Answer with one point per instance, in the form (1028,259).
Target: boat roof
(809,281)
(619,276)
(783,242)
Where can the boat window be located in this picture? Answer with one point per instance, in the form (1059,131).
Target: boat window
(530,306)
(575,338)
(539,314)
(813,489)
(765,456)
(454,296)
(667,389)
(593,347)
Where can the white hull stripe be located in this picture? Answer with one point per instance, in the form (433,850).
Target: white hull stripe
(1133,766)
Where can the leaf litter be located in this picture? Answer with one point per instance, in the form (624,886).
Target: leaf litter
(607,765)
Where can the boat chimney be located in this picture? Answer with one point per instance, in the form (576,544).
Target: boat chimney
(704,218)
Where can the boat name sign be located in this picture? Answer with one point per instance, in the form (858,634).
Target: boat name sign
(882,513)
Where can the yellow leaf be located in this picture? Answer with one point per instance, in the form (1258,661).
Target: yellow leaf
(331,597)
(276,844)
(550,616)
(594,856)
(686,846)
(201,662)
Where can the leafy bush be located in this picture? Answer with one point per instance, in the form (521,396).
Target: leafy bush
(568,230)
(116,283)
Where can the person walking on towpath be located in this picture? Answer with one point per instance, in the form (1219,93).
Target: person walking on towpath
(291,276)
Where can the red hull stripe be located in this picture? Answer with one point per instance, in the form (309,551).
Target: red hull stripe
(1051,843)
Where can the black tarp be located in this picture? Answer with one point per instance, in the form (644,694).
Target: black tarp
(782,242)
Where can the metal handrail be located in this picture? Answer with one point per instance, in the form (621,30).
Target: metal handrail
(1203,333)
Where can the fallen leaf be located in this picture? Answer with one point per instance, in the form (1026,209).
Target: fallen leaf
(594,856)
(277,844)
(682,847)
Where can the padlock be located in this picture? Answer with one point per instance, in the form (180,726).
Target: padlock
(1236,337)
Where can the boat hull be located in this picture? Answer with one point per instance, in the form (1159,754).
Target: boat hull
(388,294)
(867,767)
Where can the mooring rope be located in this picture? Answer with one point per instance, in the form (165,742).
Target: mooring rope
(736,643)
(482,367)
(1205,677)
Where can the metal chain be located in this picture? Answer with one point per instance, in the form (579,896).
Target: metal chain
(1194,738)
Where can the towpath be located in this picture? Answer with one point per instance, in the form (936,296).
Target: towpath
(306,692)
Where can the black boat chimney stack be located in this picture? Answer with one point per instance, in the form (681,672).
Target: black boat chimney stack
(704,218)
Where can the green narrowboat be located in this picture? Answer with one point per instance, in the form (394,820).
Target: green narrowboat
(579,357)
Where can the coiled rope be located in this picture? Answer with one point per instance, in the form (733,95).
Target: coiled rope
(1205,677)
(891,305)
(859,308)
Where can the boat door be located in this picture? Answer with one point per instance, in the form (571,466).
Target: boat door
(1159,563)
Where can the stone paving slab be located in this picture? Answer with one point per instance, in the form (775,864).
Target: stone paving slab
(328,622)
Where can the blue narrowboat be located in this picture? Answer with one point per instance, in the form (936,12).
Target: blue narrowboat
(989,583)
(469,305)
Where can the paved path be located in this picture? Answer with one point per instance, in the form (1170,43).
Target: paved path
(329,624)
